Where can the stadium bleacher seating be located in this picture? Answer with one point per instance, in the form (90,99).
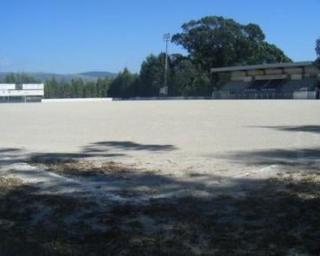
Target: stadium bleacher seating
(266,89)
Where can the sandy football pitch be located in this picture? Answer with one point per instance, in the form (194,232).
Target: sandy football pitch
(160,178)
(178,135)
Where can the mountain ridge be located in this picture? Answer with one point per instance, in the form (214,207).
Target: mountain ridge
(44,76)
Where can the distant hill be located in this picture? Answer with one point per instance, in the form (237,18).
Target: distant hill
(88,76)
(97,74)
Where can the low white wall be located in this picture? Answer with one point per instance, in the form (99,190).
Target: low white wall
(77,100)
(161,98)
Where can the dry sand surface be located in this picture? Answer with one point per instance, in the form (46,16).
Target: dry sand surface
(187,140)
(175,136)
(160,178)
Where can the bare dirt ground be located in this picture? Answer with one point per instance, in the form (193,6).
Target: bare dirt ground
(160,178)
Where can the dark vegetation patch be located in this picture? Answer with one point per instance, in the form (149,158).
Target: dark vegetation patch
(70,167)
(282,218)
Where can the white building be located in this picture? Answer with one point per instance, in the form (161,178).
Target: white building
(21,92)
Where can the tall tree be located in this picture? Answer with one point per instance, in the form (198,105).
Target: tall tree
(215,41)
(121,86)
(51,89)
(318,47)
(317,62)
(20,78)
(187,79)
(102,87)
(183,73)
(152,75)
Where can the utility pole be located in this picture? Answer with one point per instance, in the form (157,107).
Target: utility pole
(166,38)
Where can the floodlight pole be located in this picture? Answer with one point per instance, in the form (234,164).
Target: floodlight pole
(167,38)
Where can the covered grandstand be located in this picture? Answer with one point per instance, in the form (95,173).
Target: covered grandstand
(298,80)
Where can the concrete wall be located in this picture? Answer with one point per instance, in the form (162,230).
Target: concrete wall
(162,98)
(76,100)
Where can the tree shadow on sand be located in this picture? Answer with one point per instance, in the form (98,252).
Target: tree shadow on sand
(279,218)
(300,158)
(8,150)
(57,157)
(10,156)
(103,150)
(127,146)
(302,128)
(125,211)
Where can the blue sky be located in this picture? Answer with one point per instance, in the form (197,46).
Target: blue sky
(70,36)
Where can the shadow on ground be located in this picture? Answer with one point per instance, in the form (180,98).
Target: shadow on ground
(279,216)
(303,158)
(303,128)
(10,156)
(8,150)
(102,149)
(126,146)
(53,157)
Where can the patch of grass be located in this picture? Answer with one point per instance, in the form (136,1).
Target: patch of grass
(83,168)
(9,183)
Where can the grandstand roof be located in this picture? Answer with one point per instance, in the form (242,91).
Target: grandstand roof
(263,66)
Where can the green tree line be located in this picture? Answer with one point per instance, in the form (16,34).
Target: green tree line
(19,78)
(76,88)
(210,42)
